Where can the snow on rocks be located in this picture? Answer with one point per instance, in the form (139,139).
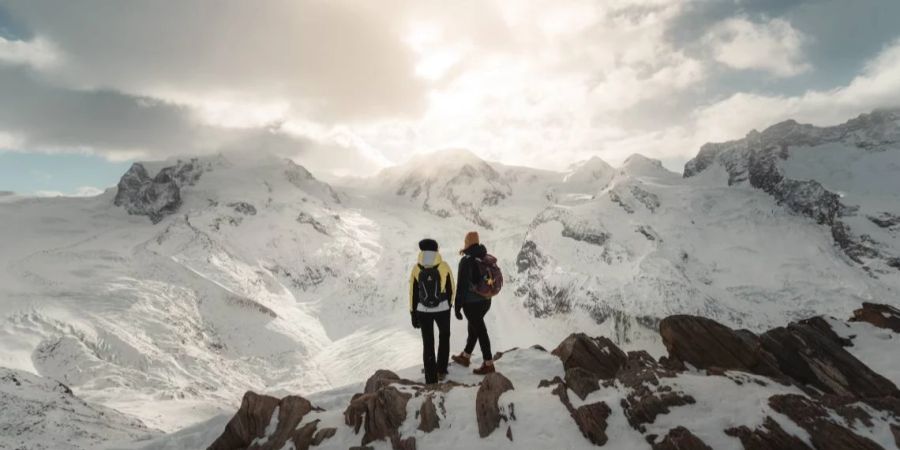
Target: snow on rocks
(159,196)
(265,423)
(487,407)
(633,400)
(882,316)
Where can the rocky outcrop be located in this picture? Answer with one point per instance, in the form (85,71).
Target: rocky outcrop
(840,404)
(488,411)
(598,356)
(806,353)
(159,196)
(380,410)
(882,316)
(680,438)
(824,433)
(812,358)
(428,416)
(251,427)
(769,436)
(590,418)
(705,343)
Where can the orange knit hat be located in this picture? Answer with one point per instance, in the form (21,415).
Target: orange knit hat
(471,239)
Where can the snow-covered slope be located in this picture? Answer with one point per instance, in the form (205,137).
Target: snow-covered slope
(39,413)
(844,177)
(654,244)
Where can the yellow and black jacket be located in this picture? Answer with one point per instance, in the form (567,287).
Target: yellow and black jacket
(430,259)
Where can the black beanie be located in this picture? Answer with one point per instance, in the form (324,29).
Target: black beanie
(428,245)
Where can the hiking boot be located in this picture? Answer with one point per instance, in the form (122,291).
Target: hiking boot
(461,359)
(485,369)
(442,376)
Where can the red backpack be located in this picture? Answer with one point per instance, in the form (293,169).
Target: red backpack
(490,279)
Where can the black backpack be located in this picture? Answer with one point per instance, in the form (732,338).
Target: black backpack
(429,285)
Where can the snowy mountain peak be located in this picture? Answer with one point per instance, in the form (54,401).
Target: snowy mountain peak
(842,176)
(594,169)
(640,165)
(201,182)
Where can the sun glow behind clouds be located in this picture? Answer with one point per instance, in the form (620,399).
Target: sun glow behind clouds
(533,82)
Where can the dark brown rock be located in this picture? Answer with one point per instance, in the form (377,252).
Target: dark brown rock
(816,420)
(770,436)
(322,435)
(403,444)
(582,382)
(643,404)
(882,316)
(487,409)
(599,356)
(811,357)
(591,419)
(705,343)
(641,368)
(379,413)
(822,326)
(680,438)
(255,414)
(428,416)
(380,379)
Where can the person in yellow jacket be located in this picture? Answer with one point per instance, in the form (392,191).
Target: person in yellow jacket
(430,301)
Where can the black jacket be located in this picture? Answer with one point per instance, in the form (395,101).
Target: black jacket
(468,274)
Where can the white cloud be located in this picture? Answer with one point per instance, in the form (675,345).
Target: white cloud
(773,46)
(38,53)
(876,87)
(353,85)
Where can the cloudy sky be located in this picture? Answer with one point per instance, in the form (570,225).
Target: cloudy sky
(349,86)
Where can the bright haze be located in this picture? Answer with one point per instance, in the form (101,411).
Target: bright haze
(349,87)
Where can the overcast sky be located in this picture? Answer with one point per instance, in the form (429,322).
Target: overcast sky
(349,86)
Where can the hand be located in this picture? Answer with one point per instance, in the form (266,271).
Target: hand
(415,320)
(458,314)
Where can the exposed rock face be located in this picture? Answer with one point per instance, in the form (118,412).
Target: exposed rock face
(591,418)
(756,160)
(770,436)
(248,428)
(487,409)
(806,352)
(882,316)
(813,358)
(581,381)
(159,196)
(598,356)
(646,402)
(680,438)
(824,433)
(705,343)
(379,413)
(428,416)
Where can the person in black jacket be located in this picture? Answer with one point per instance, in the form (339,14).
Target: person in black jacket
(430,301)
(474,305)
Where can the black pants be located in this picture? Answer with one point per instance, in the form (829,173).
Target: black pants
(426,324)
(475,312)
